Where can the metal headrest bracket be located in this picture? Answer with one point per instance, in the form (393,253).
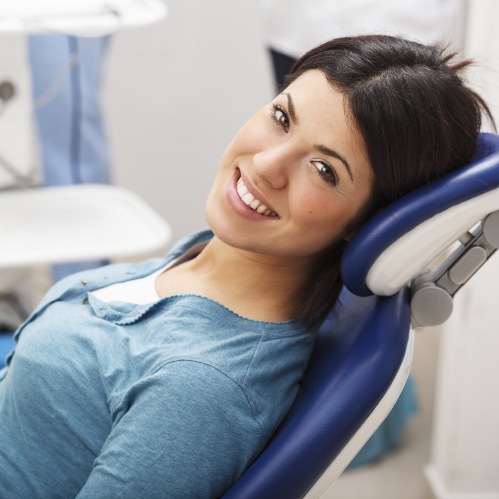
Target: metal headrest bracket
(432,292)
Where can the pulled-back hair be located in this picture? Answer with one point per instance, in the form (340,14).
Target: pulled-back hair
(415,117)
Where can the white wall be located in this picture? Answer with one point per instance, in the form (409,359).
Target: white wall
(482,44)
(175,95)
(464,458)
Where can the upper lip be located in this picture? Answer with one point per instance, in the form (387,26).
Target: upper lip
(255,192)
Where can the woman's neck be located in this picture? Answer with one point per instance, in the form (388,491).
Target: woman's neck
(259,287)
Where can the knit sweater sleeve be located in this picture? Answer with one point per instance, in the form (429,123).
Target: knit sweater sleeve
(186,431)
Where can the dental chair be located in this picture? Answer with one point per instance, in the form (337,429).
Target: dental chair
(401,272)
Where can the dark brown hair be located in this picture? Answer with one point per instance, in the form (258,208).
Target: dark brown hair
(417,120)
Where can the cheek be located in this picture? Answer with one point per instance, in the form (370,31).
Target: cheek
(323,217)
(316,210)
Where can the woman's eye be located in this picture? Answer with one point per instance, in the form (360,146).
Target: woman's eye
(326,171)
(280,117)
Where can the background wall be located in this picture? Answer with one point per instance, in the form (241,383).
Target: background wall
(481,41)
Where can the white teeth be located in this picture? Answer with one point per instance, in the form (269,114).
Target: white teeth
(241,188)
(248,199)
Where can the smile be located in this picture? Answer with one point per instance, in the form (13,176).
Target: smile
(249,200)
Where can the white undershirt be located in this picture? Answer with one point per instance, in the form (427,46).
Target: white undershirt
(143,290)
(140,291)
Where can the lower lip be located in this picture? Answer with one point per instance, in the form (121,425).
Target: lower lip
(237,204)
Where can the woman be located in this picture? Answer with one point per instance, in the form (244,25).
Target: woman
(166,378)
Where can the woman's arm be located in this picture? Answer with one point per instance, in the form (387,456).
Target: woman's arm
(188,431)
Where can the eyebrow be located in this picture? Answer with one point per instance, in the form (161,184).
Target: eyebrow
(318,147)
(291,107)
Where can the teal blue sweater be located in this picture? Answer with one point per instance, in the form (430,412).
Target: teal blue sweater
(114,400)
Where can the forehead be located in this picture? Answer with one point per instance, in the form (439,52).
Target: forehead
(311,81)
(313,94)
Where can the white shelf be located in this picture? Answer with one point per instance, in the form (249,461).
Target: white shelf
(81,17)
(74,223)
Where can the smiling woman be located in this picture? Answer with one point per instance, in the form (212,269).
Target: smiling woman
(299,158)
(166,378)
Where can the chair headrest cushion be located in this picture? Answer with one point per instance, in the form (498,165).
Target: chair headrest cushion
(399,241)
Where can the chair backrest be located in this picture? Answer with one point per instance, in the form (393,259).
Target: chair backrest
(363,351)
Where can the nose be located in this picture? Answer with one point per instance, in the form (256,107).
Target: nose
(273,165)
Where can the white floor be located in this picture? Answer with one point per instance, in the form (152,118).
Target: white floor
(399,475)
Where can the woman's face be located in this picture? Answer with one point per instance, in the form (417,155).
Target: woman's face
(294,175)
